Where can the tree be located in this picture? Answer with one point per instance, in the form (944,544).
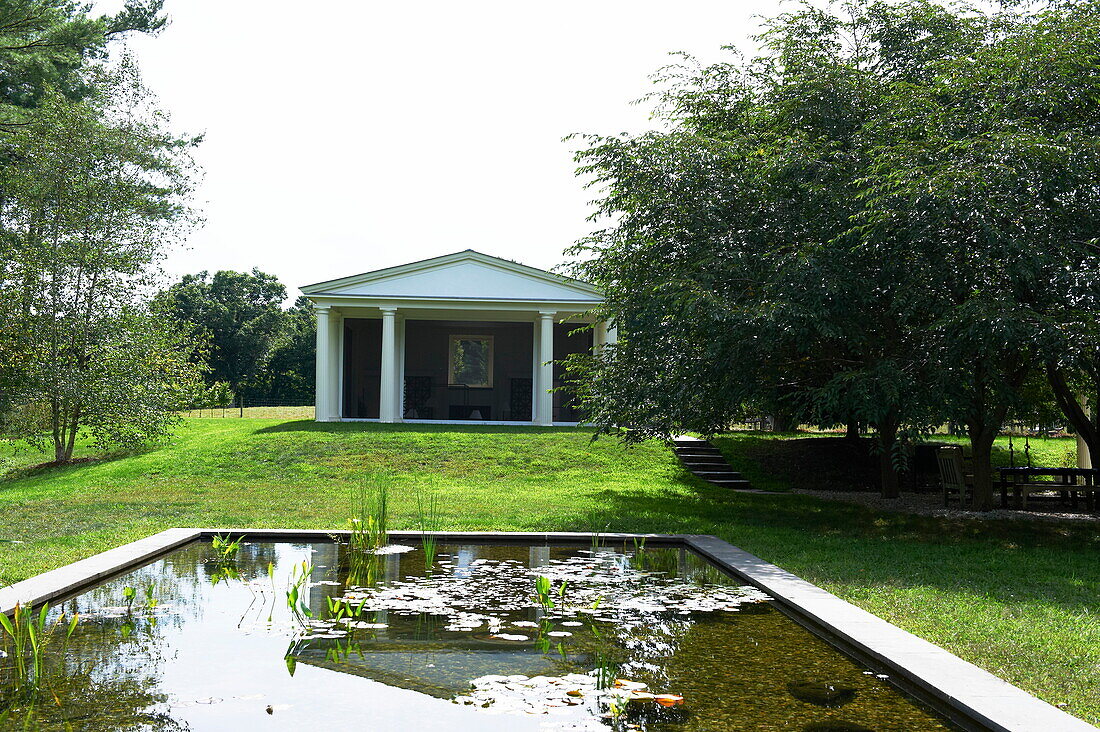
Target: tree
(885,219)
(45,47)
(239,315)
(290,374)
(95,192)
(985,179)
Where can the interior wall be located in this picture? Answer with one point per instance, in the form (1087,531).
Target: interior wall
(565,407)
(426,350)
(362,367)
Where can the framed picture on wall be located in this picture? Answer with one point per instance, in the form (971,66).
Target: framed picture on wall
(470,361)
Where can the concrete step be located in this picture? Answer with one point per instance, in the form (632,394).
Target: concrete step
(703,460)
(740,484)
(690,442)
(699,454)
(706,461)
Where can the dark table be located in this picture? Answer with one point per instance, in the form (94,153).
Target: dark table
(1067,481)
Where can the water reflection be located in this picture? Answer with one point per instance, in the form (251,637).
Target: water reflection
(220,647)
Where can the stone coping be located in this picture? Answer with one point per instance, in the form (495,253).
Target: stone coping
(976,695)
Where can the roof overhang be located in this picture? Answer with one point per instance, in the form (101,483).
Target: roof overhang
(466,280)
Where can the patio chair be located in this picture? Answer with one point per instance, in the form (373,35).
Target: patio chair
(951,474)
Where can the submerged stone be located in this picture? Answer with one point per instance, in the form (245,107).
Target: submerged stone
(822,693)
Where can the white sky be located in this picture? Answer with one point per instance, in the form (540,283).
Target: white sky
(349,135)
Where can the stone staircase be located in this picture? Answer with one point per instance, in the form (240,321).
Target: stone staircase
(704,460)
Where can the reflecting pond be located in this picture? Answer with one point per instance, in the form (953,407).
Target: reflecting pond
(512,637)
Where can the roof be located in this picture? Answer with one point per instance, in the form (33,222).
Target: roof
(465,275)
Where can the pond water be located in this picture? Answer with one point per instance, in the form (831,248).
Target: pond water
(621,638)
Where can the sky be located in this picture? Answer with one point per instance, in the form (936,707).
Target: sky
(344,136)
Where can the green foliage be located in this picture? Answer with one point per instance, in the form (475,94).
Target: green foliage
(370,514)
(47,45)
(299,578)
(428,521)
(96,194)
(887,219)
(237,314)
(225,547)
(26,635)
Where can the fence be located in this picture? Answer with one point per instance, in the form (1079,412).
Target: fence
(255,409)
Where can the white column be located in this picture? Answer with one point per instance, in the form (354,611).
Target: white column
(545,410)
(336,365)
(612,335)
(324,384)
(387,407)
(599,336)
(1084,458)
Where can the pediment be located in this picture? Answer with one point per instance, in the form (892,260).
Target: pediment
(466,275)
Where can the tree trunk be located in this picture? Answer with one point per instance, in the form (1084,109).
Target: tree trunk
(981,447)
(74,427)
(783,422)
(888,472)
(1071,408)
(852,430)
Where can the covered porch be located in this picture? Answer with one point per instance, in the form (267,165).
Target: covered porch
(414,346)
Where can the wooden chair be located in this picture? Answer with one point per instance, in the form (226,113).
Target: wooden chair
(952,478)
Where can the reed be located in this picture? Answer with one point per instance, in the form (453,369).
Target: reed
(429,522)
(370,514)
(28,634)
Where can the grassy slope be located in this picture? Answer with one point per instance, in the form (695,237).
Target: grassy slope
(1018,598)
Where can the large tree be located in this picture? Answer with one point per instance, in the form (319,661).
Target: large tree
(878,220)
(94,192)
(239,315)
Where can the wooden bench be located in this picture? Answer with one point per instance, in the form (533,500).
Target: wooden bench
(1069,482)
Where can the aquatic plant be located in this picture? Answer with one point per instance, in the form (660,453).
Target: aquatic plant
(340,608)
(225,548)
(129,594)
(364,569)
(299,577)
(370,515)
(29,634)
(598,540)
(150,597)
(428,521)
(545,593)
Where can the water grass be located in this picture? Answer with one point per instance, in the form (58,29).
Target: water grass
(225,548)
(429,520)
(370,514)
(26,635)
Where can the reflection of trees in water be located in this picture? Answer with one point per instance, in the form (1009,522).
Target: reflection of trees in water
(104,678)
(92,704)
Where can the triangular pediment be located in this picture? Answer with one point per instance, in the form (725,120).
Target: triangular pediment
(467,275)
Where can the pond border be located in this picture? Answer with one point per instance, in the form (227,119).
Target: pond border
(975,694)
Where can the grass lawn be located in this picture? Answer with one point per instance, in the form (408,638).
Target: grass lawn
(1020,599)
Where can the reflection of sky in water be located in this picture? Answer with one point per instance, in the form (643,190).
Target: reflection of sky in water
(214,651)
